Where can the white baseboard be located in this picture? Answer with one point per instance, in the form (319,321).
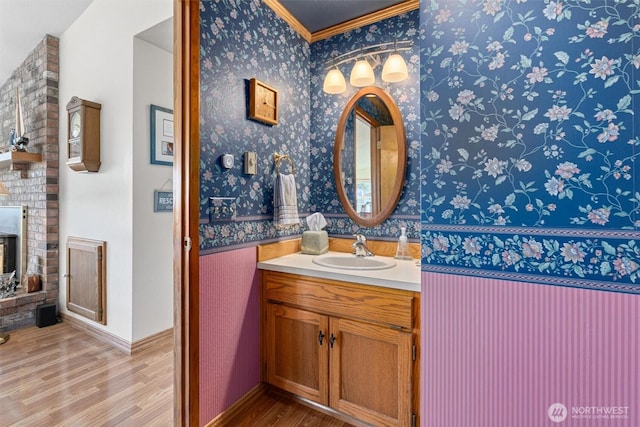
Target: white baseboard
(115,341)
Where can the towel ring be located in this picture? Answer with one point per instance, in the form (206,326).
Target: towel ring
(279,157)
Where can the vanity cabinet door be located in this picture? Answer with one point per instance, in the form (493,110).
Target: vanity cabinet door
(371,372)
(297,351)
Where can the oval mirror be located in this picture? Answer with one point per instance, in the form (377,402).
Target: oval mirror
(369,156)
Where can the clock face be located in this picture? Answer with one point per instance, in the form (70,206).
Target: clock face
(266,102)
(75,124)
(263,101)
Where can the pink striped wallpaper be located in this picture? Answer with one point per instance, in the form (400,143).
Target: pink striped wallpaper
(495,353)
(229,329)
(498,353)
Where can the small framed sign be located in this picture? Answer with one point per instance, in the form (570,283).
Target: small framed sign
(162,201)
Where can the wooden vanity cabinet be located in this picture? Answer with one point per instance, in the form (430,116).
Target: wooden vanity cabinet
(346,346)
(370,372)
(297,360)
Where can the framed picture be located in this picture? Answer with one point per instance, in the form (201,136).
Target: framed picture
(162,201)
(161,136)
(263,102)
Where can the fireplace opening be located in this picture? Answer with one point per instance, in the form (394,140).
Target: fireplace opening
(13,241)
(8,250)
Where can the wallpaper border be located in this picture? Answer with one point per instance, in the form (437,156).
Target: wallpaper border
(535,280)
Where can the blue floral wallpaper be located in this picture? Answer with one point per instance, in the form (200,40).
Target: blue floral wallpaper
(529,142)
(326,110)
(242,39)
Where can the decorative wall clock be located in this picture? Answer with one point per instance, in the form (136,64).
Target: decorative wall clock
(83,135)
(263,102)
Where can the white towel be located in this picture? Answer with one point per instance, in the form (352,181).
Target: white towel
(285,202)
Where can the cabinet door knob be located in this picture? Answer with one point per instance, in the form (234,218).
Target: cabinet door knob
(332,339)
(320,337)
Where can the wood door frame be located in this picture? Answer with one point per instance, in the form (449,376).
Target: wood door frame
(186,172)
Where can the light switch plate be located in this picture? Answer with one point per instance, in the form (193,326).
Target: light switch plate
(250,162)
(222,209)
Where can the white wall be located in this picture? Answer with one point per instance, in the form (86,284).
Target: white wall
(96,63)
(152,232)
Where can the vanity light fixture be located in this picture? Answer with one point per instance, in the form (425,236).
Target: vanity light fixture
(367,59)
(362,73)
(334,82)
(395,69)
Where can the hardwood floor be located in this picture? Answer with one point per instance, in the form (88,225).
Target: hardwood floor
(59,376)
(273,407)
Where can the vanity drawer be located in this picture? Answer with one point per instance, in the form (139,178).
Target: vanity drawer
(369,303)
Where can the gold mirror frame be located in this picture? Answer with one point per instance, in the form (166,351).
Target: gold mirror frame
(401,139)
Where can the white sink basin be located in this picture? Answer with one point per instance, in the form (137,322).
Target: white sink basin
(352,262)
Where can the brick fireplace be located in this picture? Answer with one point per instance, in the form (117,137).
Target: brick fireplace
(34,185)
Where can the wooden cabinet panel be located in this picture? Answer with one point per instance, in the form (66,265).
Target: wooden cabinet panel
(297,359)
(86,272)
(341,299)
(364,366)
(371,372)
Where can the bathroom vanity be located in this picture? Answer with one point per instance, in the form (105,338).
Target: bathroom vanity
(346,338)
(340,330)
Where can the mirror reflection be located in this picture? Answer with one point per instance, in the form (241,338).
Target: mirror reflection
(369,156)
(375,153)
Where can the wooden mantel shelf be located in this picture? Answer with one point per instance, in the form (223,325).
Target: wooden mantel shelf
(18,157)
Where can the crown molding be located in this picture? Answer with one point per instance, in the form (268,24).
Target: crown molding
(388,12)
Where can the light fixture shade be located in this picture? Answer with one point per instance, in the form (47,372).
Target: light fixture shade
(361,74)
(395,69)
(334,82)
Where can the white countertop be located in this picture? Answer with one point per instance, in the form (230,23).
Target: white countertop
(404,275)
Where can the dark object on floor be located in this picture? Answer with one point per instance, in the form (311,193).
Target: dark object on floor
(4,338)
(46,315)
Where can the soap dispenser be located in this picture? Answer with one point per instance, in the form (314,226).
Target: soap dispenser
(403,246)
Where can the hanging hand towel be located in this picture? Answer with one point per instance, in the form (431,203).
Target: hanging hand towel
(285,202)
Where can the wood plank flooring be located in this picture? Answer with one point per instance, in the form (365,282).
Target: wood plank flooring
(276,408)
(59,376)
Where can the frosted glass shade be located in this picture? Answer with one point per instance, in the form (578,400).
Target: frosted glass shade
(362,74)
(334,82)
(395,69)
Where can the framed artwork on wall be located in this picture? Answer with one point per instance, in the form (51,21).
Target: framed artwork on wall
(161,136)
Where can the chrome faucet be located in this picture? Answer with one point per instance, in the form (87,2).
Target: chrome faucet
(360,246)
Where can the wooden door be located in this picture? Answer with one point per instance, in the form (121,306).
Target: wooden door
(186,213)
(297,351)
(371,372)
(388,157)
(86,284)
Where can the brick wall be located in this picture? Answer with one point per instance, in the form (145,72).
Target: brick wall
(34,185)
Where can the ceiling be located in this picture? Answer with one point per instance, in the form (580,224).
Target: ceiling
(160,35)
(25,22)
(317,15)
